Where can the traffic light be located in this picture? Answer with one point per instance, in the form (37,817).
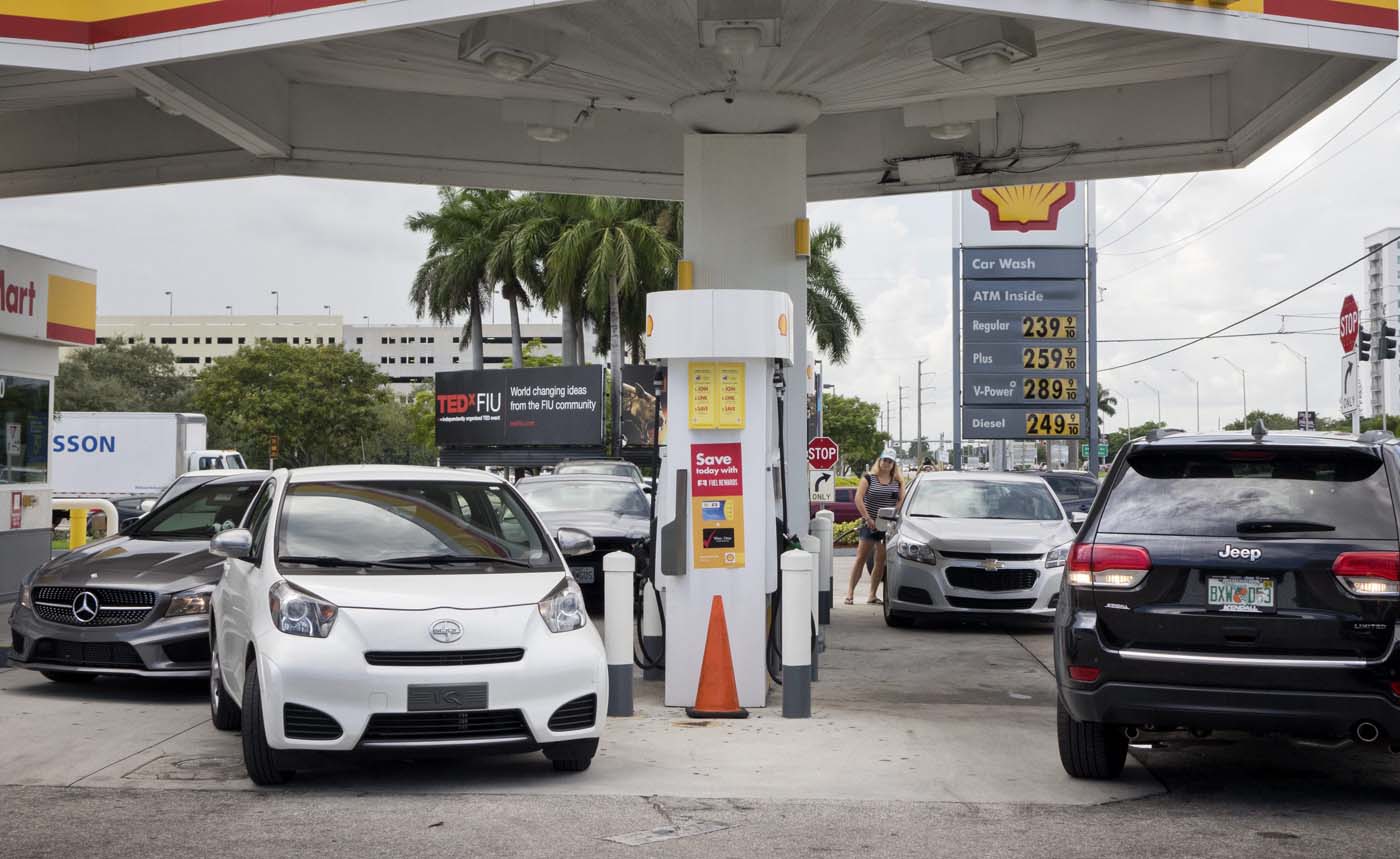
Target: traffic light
(1363,345)
(1387,344)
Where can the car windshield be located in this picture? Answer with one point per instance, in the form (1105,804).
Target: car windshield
(199,513)
(611,469)
(1226,493)
(410,525)
(553,496)
(983,499)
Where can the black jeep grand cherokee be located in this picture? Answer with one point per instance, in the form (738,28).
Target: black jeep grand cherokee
(1237,581)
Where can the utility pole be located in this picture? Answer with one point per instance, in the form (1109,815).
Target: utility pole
(1244,390)
(1193,381)
(919,389)
(900,440)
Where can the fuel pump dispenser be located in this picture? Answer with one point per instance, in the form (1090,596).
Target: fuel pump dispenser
(718,490)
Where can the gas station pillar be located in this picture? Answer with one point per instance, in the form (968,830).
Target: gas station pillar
(744,194)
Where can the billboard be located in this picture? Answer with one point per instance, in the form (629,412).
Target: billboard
(530,406)
(45,299)
(643,405)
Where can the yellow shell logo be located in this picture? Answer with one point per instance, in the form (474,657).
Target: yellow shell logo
(782,324)
(1026,208)
(651,323)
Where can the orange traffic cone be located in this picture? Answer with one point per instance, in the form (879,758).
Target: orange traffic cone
(717,696)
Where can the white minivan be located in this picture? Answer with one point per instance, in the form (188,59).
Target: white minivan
(415,610)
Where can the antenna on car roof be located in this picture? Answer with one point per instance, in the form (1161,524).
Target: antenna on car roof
(1259,430)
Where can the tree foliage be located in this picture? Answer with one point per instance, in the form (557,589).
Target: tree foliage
(853,424)
(535,356)
(833,314)
(325,405)
(116,378)
(1272,420)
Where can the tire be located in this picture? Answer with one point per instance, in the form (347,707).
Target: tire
(222,711)
(259,759)
(897,619)
(1089,750)
(572,765)
(76,678)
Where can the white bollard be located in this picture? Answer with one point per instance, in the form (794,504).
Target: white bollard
(796,568)
(822,525)
(653,644)
(618,571)
(813,547)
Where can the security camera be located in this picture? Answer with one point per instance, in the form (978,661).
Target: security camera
(729,99)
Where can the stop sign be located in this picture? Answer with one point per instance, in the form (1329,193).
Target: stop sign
(1349,323)
(822,453)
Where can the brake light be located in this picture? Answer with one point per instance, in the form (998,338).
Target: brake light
(1369,574)
(1083,673)
(1395,687)
(1108,566)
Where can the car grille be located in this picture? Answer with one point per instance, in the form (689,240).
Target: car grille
(989,605)
(446,726)
(982,556)
(437,658)
(86,654)
(576,715)
(306,723)
(116,606)
(991,580)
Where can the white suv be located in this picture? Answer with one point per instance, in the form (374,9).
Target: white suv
(405,609)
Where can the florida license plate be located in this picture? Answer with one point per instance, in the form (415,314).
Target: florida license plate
(583,575)
(1249,594)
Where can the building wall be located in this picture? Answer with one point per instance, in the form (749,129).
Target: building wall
(198,340)
(1381,290)
(411,354)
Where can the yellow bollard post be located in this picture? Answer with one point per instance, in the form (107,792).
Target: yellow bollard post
(77,528)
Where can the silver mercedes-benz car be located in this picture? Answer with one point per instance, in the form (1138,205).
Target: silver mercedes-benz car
(975,542)
(135,603)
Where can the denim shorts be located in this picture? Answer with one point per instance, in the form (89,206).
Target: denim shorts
(866,533)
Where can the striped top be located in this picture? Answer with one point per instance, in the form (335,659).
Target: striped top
(879,494)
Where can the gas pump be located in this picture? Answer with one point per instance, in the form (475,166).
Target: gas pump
(718,491)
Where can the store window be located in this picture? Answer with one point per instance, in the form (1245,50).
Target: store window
(24,412)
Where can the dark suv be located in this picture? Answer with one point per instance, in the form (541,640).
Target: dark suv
(1241,581)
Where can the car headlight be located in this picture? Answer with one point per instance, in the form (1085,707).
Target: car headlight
(914,551)
(26,596)
(297,613)
(562,609)
(1056,557)
(194,601)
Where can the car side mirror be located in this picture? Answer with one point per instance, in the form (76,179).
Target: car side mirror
(127,527)
(147,505)
(235,543)
(887,518)
(573,542)
(1077,520)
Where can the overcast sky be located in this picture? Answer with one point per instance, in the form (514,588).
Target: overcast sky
(343,243)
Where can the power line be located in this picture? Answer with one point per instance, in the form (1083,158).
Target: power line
(1257,313)
(1144,221)
(1273,186)
(1223,336)
(1121,214)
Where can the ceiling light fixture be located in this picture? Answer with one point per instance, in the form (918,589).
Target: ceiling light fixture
(950,118)
(729,22)
(504,65)
(738,42)
(507,48)
(950,131)
(547,133)
(983,47)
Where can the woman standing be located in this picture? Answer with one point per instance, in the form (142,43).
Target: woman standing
(880,488)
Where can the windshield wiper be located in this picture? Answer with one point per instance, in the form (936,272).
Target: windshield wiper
(1271,526)
(456,559)
(332,561)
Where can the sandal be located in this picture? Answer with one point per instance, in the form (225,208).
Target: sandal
(850,601)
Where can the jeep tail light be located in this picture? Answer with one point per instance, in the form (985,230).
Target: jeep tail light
(1369,574)
(1103,565)
(1083,673)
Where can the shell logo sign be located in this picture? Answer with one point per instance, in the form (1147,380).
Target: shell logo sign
(1026,208)
(91,22)
(1357,13)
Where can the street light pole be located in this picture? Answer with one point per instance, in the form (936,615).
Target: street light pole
(1244,388)
(276,303)
(1193,381)
(1307,408)
(229,308)
(327,308)
(170,295)
(1155,391)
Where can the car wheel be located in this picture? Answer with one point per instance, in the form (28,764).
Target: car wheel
(259,759)
(1091,750)
(74,677)
(222,710)
(897,619)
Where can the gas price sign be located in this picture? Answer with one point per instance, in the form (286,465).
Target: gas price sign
(1053,424)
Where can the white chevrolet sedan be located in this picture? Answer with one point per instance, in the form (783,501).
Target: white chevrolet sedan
(414,610)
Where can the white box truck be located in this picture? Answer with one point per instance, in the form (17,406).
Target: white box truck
(129,453)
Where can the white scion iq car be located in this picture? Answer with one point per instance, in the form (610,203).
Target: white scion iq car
(403,609)
(979,542)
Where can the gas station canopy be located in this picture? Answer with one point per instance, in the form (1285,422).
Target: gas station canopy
(596,96)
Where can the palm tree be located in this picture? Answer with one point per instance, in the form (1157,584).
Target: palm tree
(530,226)
(613,250)
(1108,404)
(455,277)
(832,312)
